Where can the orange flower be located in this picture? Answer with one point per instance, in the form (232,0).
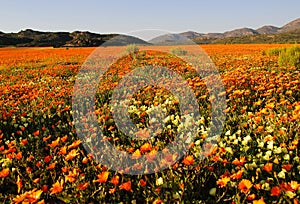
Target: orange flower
(126,186)
(75,144)
(64,138)
(222,182)
(151,155)
(115,180)
(102,177)
(4,173)
(71,154)
(143,182)
(83,186)
(287,167)
(188,160)
(63,150)
(54,143)
(47,159)
(51,166)
(245,185)
(112,190)
(29,197)
(145,147)
(157,201)
(57,187)
(239,162)
(19,156)
(275,191)
(237,175)
(72,176)
(268,167)
(260,201)
(36,133)
(136,154)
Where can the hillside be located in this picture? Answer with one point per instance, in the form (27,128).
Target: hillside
(289,33)
(31,38)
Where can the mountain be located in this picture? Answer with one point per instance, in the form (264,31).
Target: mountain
(267,30)
(170,39)
(263,34)
(293,25)
(240,32)
(31,38)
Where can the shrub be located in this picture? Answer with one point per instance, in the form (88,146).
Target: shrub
(273,51)
(178,51)
(131,48)
(290,57)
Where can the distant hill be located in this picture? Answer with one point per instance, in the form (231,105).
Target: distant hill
(267,34)
(31,38)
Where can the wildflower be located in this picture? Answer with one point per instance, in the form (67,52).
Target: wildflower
(268,167)
(57,187)
(102,177)
(4,173)
(145,147)
(126,186)
(222,182)
(188,160)
(115,180)
(275,191)
(54,143)
(71,154)
(82,186)
(75,144)
(260,201)
(159,181)
(239,162)
(237,175)
(143,182)
(136,154)
(245,185)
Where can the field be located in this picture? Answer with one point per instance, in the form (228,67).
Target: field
(43,159)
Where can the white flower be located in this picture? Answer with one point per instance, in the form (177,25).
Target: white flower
(266,186)
(246,140)
(197,142)
(260,144)
(159,181)
(270,145)
(229,150)
(281,175)
(277,150)
(286,157)
(290,194)
(235,142)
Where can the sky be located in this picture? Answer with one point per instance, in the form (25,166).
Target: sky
(127,16)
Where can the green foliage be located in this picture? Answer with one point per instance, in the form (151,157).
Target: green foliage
(131,48)
(290,57)
(178,51)
(273,51)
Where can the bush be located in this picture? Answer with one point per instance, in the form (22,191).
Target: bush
(290,57)
(131,48)
(178,51)
(273,51)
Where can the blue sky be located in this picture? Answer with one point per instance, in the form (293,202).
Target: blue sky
(117,16)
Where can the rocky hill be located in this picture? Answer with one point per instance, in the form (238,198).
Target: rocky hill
(263,34)
(31,38)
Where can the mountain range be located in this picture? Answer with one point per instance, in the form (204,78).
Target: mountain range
(267,31)
(289,33)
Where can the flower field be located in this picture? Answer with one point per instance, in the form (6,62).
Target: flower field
(42,159)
